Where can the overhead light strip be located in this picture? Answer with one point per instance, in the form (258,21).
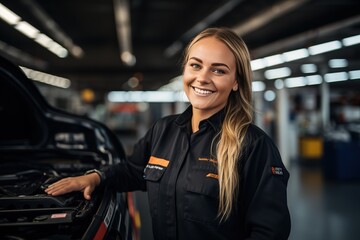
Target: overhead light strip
(31,32)
(54,30)
(123,30)
(147,96)
(303,81)
(293,55)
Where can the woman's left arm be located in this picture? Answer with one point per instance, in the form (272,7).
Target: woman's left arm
(265,182)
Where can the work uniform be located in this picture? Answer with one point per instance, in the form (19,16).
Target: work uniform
(180,174)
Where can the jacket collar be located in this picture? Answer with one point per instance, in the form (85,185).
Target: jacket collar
(215,121)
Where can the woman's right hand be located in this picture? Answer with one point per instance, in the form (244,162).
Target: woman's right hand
(85,183)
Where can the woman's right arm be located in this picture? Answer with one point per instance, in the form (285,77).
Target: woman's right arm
(124,176)
(85,184)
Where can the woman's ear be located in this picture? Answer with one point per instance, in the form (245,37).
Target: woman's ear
(235,87)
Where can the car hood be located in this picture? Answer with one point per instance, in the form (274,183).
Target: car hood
(29,124)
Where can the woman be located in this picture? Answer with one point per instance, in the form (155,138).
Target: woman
(209,172)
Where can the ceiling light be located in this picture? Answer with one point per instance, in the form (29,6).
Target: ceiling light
(295,55)
(295,82)
(33,33)
(58,50)
(44,40)
(27,29)
(269,95)
(257,64)
(336,77)
(354,74)
(273,60)
(128,58)
(8,16)
(147,96)
(314,79)
(338,63)
(279,84)
(277,73)
(351,40)
(308,68)
(324,47)
(258,86)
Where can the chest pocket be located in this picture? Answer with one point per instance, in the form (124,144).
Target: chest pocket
(155,169)
(201,197)
(153,172)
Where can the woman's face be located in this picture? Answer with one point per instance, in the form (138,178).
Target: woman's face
(209,75)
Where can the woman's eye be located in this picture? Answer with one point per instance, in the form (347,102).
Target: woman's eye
(195,66)
(218,71)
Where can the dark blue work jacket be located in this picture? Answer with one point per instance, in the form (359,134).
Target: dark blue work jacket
(176,168)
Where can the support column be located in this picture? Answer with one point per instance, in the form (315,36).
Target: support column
(325,105)
(282,125)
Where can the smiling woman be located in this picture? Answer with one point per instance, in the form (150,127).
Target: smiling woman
(209,172)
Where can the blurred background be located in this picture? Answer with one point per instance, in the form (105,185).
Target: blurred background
(118,62)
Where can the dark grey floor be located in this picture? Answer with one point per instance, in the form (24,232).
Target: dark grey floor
(322,209)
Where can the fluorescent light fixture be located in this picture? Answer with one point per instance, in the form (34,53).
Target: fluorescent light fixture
(308,68)
(295,55)
(295,82)
(32,32)
(273,60)
(257,64)
(44,40)
(8,16)
(27,29)
(269,95)
(258,86)
(314,79)
(128,58)
(46,78)
(278,73)
(58,50)
(338,63)
(51,45)
(354,74)
(336,77)
(324,47)
(147,96)
(349,41)
(279,84)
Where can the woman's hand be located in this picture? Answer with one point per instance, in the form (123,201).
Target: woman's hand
(86,184)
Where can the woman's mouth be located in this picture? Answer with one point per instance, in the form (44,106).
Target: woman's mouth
(202,91)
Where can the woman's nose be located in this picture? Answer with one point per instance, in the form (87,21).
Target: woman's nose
(203,76)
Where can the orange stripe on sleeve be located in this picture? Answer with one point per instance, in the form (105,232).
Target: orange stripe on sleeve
(212,175)
(158,161)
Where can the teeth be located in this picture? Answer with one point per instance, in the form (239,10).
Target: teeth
(202,91)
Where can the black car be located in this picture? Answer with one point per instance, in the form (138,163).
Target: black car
(40,145)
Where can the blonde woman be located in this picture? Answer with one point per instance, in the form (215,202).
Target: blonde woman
(209,172)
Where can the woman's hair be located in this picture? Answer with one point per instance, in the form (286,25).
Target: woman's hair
(238,116)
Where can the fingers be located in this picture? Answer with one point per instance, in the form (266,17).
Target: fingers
(63,186)
(87,192)
(86,183)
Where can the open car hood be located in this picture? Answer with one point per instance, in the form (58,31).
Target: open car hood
(29,123)
(40,145)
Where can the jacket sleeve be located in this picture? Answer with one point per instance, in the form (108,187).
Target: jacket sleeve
(128,175)
(265,181)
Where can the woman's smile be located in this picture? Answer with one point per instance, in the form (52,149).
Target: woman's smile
(202,92)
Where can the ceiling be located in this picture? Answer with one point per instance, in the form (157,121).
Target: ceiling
(267,26)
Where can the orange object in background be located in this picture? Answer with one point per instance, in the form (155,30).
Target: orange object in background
(311,147)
